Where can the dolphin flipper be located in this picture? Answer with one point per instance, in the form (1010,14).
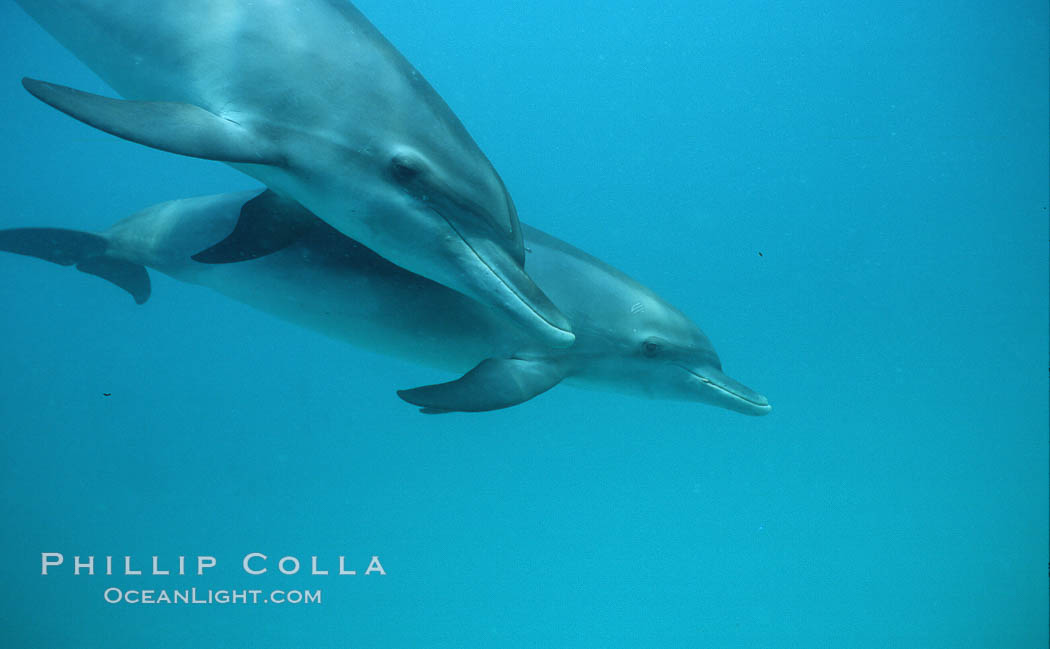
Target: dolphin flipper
(493,384)
(85,249)
(174,127)
(267,223)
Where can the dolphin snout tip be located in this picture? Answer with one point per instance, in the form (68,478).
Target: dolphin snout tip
(755,404)
(760,408)
(559,338)
(729,393)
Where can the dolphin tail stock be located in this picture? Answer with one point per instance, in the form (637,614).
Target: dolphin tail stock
(86,250)
(179,128)
(493,384)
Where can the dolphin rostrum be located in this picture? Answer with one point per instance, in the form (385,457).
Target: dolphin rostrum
(308,97)
(628,339)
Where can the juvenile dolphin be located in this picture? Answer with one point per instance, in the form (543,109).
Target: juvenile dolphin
(308,97)
(628,339)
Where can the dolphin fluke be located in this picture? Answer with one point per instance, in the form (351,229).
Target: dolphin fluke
(493,384)
(169,126)
(84,249)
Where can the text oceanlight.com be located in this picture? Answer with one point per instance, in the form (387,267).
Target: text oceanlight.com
(194,595)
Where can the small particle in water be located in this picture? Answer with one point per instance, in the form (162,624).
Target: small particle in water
(107,394)
(760,253)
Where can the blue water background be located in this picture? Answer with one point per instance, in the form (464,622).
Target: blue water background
(850,198)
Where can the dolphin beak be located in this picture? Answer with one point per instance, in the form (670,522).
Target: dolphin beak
(720,390)
(502,280)
(493,272)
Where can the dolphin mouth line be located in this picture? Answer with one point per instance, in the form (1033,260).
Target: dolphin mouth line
(707,381)
(493,272)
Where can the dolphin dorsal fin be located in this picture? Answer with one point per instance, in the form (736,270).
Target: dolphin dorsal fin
(267,223)
(174,127)
(493,384)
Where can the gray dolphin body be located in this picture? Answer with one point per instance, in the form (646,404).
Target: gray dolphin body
(628,339)
(309,98)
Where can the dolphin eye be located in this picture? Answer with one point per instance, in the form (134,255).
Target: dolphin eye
(405,168)
(651,348)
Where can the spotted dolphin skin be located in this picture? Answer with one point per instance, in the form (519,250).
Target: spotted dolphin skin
(628,339)
(309,98)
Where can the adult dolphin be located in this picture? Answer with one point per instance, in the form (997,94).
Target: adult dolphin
(308,97)
(628,339)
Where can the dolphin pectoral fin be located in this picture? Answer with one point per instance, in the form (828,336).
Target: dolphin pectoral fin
(267,223)
(493,384)
(85,249)
(175,127)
